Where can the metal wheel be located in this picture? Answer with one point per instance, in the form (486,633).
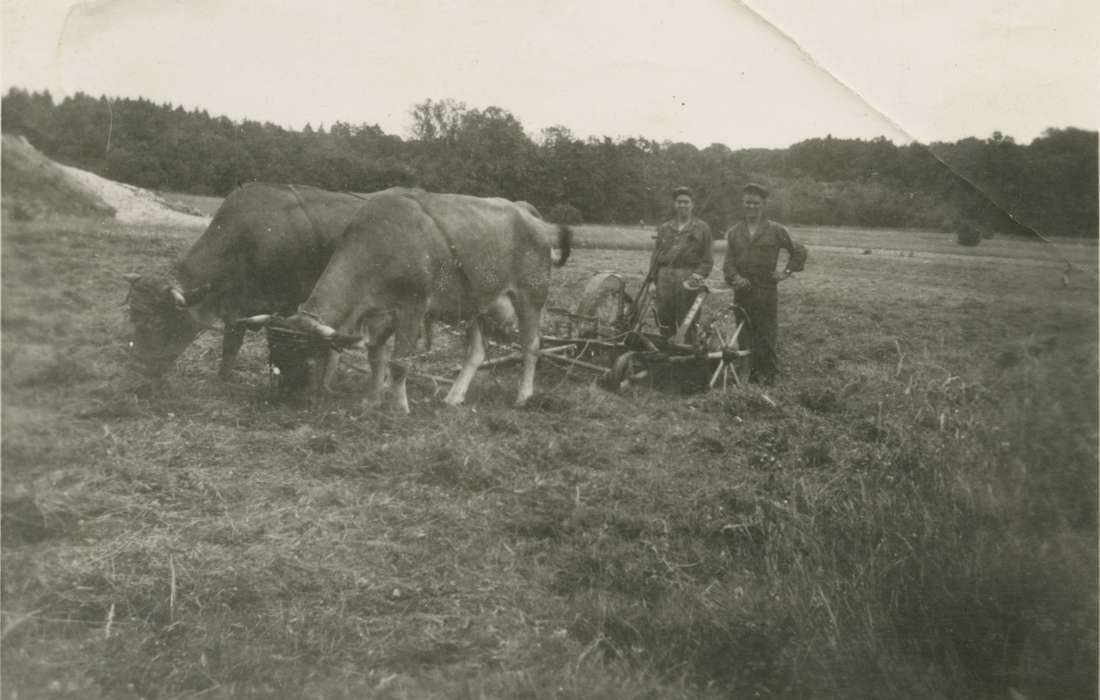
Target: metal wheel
(627,371)
(728,341)
(603,305)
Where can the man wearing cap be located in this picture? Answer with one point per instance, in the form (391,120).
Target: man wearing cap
(682,254)
(752,252)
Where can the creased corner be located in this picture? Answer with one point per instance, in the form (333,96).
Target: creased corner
(900,128)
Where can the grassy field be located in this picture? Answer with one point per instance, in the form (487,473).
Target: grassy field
(922,244)
(910,513)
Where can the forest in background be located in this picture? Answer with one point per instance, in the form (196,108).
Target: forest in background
(996,184)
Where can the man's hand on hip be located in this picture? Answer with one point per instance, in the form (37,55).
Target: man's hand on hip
(739,283)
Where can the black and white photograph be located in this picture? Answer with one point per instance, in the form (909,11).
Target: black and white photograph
(472,350)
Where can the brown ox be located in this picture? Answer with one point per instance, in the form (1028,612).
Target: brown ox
(411,253)
(262,252)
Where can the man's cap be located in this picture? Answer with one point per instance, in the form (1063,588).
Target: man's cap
(753,188)
(682,190)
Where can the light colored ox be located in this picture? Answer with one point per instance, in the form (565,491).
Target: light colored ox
(410,254)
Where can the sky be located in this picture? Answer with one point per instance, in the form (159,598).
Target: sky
(745,74)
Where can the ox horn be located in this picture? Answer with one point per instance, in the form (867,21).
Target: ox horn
(177,296)
(131,277)
(315,325)
(255,322)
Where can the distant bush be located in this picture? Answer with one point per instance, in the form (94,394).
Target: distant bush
(968,234)
(565,214)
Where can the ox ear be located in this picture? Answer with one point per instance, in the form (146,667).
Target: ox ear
(341,342)
(255,323)
(131,277)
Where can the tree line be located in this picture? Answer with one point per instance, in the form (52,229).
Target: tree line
(996,184)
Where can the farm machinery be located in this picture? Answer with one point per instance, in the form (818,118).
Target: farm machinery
(614,332)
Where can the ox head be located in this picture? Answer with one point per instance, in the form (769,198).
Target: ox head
(300,347)
(163,325)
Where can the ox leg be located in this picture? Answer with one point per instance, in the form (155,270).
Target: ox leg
(232,340)
(379,356)
(379,330)
(475,355)
(408,327)
(427,333)
(528,316)
(330,370)
(399,370)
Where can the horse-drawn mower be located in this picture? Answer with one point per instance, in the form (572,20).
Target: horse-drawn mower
(615,333)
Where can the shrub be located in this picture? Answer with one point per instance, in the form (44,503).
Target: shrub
(968,234)
(565,214)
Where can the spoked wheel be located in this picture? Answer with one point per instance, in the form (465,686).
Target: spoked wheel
(728,342)
(627,371)
(603,305)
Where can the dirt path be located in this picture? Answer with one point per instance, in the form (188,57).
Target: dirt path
(133,205)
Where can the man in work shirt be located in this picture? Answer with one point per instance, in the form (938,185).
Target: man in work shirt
(682,254)
(752,251)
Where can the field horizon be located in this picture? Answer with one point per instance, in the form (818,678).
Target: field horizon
(1056,250)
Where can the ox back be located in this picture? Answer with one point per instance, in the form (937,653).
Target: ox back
(266,247)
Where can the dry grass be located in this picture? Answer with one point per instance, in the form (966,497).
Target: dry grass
(915,517)
(192,203)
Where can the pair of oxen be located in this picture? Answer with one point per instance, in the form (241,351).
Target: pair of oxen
(342,269)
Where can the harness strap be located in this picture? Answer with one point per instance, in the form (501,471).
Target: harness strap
(447,239)
(310,314)
(305,212)
(465,279)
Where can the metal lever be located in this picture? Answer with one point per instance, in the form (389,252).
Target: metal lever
(681,332)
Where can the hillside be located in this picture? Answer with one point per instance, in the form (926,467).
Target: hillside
(34,186)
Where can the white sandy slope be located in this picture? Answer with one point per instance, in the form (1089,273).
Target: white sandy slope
(133,205)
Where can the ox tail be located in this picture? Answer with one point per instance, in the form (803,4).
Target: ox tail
(565,244)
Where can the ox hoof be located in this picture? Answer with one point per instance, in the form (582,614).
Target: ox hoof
(454,401)
(373,398)
(370,405)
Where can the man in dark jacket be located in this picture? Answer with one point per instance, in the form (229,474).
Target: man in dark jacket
(682,254)
(750,268)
